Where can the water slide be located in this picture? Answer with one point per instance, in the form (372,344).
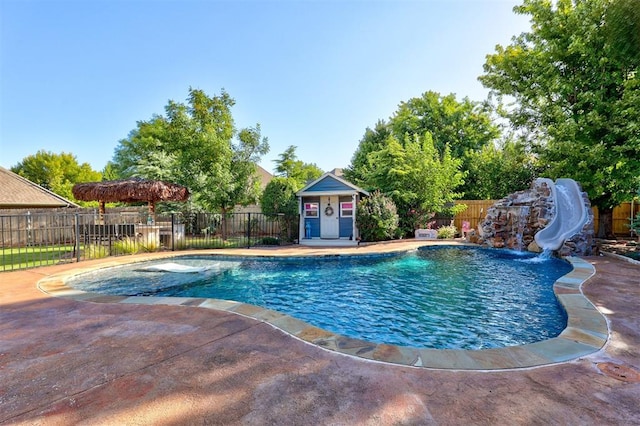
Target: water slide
(571,214)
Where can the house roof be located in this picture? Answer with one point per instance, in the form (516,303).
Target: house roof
(20,193)
(337,171)
(330,184)
(265,176)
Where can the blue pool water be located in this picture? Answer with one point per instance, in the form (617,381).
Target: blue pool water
(435,297)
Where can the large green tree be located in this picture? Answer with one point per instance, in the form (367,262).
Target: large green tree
(56,172)
(574,81)
(373,140)
(498,170)
(462,127)
(139,148)
(419,178)
(288,165)
(198,145)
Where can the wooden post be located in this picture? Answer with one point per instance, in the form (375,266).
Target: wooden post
(152,210)
(101,211)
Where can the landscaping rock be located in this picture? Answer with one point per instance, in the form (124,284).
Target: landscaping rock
(513,221)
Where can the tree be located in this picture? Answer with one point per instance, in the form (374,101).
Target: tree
(416,176)
(574,79)
(109,172)
(279,201)
(220,172)
(373,140)
(196,144)
(56,172)
(495,171)
(288,165)
(463,127)
(142,143)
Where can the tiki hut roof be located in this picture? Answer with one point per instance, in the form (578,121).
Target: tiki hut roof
(130,190)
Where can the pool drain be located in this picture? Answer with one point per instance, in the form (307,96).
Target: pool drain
(623,373)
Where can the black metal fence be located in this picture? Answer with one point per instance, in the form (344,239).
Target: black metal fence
(38,239)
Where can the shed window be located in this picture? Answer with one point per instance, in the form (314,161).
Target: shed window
(310,209)
(346,209)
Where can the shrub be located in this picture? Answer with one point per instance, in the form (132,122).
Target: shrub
(413,219)
(635,225)
(377,218)
(180,244)
(96,251)
(125,246)
(449,231)
(270,241)
(149,246)
(279,201)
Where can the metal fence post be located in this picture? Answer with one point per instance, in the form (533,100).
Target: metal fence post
(77,242)
(249,231)
(173,232)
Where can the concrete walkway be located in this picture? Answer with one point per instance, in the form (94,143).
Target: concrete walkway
(72,362)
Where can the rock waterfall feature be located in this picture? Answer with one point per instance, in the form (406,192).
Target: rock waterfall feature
(552,216)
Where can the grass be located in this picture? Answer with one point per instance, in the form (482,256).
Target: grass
(24,257)
(212,243)
(28,257)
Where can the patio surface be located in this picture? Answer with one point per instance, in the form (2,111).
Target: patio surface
(66,361)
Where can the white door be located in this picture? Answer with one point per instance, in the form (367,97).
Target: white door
(329,223)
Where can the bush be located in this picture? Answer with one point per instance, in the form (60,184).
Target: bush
(125,246)
(279,201)
(377,218)
(446,232)
(635,225)
(180,244)
(270,241)
(149,246)
(413,219)
(96,251)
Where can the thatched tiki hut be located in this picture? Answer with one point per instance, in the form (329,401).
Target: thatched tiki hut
(129,191)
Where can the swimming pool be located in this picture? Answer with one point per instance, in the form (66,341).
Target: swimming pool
(434,297)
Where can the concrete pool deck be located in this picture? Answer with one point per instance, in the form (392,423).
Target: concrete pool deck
(68,361)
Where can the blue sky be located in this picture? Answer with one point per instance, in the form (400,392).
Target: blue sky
(76,76)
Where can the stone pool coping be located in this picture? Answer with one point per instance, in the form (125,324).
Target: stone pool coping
(586,332)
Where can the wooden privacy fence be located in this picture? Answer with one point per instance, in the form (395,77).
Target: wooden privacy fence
(477,210)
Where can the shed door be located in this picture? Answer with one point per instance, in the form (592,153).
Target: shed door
(329,223)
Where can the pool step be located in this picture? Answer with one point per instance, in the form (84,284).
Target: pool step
(328,242)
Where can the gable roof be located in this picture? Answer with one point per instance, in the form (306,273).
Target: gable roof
(330,184)
(264,176)
(20,193)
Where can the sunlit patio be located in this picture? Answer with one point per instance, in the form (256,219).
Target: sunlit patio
(67,361)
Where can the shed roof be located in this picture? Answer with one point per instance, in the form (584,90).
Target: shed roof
(330,184)
(20,193)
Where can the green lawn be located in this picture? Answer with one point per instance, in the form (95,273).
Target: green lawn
(25,257)
(30,257)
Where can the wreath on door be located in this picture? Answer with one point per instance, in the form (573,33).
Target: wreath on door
(328,211)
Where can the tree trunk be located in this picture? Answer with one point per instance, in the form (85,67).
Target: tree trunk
(605,223)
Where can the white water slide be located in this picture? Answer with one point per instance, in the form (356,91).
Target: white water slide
(571,214)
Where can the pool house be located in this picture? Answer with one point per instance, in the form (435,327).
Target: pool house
(327,209)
